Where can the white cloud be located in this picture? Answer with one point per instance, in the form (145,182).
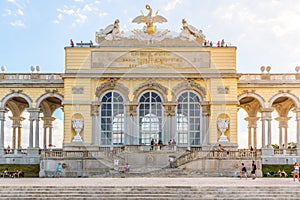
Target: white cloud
(66,11)
(15,3)
(8,12)
(101,14)
(17,23)
(172,5)
(20,12)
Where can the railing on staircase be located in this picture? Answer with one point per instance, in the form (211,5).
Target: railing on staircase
(213,154)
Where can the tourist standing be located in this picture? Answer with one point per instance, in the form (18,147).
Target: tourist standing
(58,170)
(152,143)
(296,171)
(243,171)
(253,170)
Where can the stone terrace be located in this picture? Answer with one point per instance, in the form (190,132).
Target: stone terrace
(149,188)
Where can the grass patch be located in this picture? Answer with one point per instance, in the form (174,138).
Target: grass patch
(273,169)
(29,170)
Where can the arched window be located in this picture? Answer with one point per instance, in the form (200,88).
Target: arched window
(150,117)
(188,119)
(112,119)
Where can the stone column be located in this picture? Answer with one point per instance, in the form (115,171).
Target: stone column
(205,122)
(263,133)
(37,133)
(50,135)
(283,125)
(48,125)
(267,150)
(31,133)
(252,126)
(17,127)
(19,144)
(13,146)
(2,119)
(255,138)
(95,114)
(45,138)
(131,113)
(34,117)
(249,137)
(170,114)
(297,111)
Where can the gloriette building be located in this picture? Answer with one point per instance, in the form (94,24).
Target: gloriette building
(121,93)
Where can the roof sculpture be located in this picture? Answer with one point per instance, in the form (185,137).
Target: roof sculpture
(113,35)
(149,20)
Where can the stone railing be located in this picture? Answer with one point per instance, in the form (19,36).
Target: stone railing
(29,76)
(211,154)
(285,151)
(270,77)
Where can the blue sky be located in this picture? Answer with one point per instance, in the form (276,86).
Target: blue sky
(35,32)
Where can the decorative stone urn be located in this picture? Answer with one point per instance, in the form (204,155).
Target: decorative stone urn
(223,124)
(77,125)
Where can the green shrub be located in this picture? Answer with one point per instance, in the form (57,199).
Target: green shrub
(29,170)
(273,169)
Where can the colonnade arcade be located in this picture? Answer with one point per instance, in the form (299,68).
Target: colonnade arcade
(14,105)
(258,109)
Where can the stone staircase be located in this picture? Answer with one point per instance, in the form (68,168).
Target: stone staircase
(149,192)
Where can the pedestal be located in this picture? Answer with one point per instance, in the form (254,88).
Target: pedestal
(223,138)
(267,151)
(77,138)
(33,151)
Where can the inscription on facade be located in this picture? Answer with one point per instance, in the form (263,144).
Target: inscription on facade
(76,90)
(176,59)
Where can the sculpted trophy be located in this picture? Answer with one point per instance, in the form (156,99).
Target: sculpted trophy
(223,124)
(77,125)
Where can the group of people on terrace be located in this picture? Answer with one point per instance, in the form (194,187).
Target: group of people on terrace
(157,144)
(208,43)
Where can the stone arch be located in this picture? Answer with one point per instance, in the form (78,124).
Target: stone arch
(259,98)
(47,95)
(294,98)
(189,85)
(112,85)
(16,94)
(150,85)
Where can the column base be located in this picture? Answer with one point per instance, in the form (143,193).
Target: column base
(2,151)
(33,151)
(298,151)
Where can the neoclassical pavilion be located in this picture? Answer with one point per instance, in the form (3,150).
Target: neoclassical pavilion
(126,91)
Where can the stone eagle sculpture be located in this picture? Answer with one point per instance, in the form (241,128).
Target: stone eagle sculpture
(149,20)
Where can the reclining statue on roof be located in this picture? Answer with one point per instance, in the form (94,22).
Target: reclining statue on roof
(189,32)
(111,32)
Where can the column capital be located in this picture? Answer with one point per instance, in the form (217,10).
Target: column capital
(170,108)
(205,108)
(48,121)
(34,113)
(266,113)
(95,108)
(252,121)
(283,121)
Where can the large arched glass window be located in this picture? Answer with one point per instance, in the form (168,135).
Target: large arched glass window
(188,119)
(150,117)
(112,119)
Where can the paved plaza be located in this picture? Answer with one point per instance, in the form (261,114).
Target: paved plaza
(212,181)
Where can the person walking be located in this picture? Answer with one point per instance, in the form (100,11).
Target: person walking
(296,171)
(243,171)
(253,170)
(58,170)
